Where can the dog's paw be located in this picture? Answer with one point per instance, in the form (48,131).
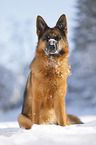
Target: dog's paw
(24,121)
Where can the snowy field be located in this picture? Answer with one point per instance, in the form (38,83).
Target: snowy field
(11,134)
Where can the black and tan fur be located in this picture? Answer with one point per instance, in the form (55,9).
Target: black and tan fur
(44,96)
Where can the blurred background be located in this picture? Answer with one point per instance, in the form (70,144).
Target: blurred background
(18,42)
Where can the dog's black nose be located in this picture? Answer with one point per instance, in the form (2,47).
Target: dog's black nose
(52,47)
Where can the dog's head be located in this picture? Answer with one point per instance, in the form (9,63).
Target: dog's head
(52,41)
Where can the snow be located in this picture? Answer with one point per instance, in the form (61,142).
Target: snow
(11,134)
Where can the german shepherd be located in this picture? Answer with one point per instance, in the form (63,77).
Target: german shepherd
(44,96)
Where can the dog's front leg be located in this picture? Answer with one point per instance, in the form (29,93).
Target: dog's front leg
(36,107)
(61,112)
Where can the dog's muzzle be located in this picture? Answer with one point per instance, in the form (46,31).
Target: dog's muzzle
(52,47)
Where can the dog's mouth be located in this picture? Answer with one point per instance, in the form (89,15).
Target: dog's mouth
(52,47)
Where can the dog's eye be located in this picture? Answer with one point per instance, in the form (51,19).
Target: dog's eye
(57,38)
(46,38)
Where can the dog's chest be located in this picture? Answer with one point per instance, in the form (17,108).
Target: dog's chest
(51,77)
(53,73)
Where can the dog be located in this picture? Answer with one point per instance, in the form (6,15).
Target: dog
(44,96)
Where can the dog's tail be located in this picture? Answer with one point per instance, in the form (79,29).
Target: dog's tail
(74,120)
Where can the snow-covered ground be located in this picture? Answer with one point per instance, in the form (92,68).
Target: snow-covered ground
(11,134)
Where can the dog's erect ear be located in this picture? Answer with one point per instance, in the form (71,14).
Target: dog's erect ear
(41,26)
(62,25)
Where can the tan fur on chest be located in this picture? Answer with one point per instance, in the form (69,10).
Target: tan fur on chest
(48,76)
(49,85)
